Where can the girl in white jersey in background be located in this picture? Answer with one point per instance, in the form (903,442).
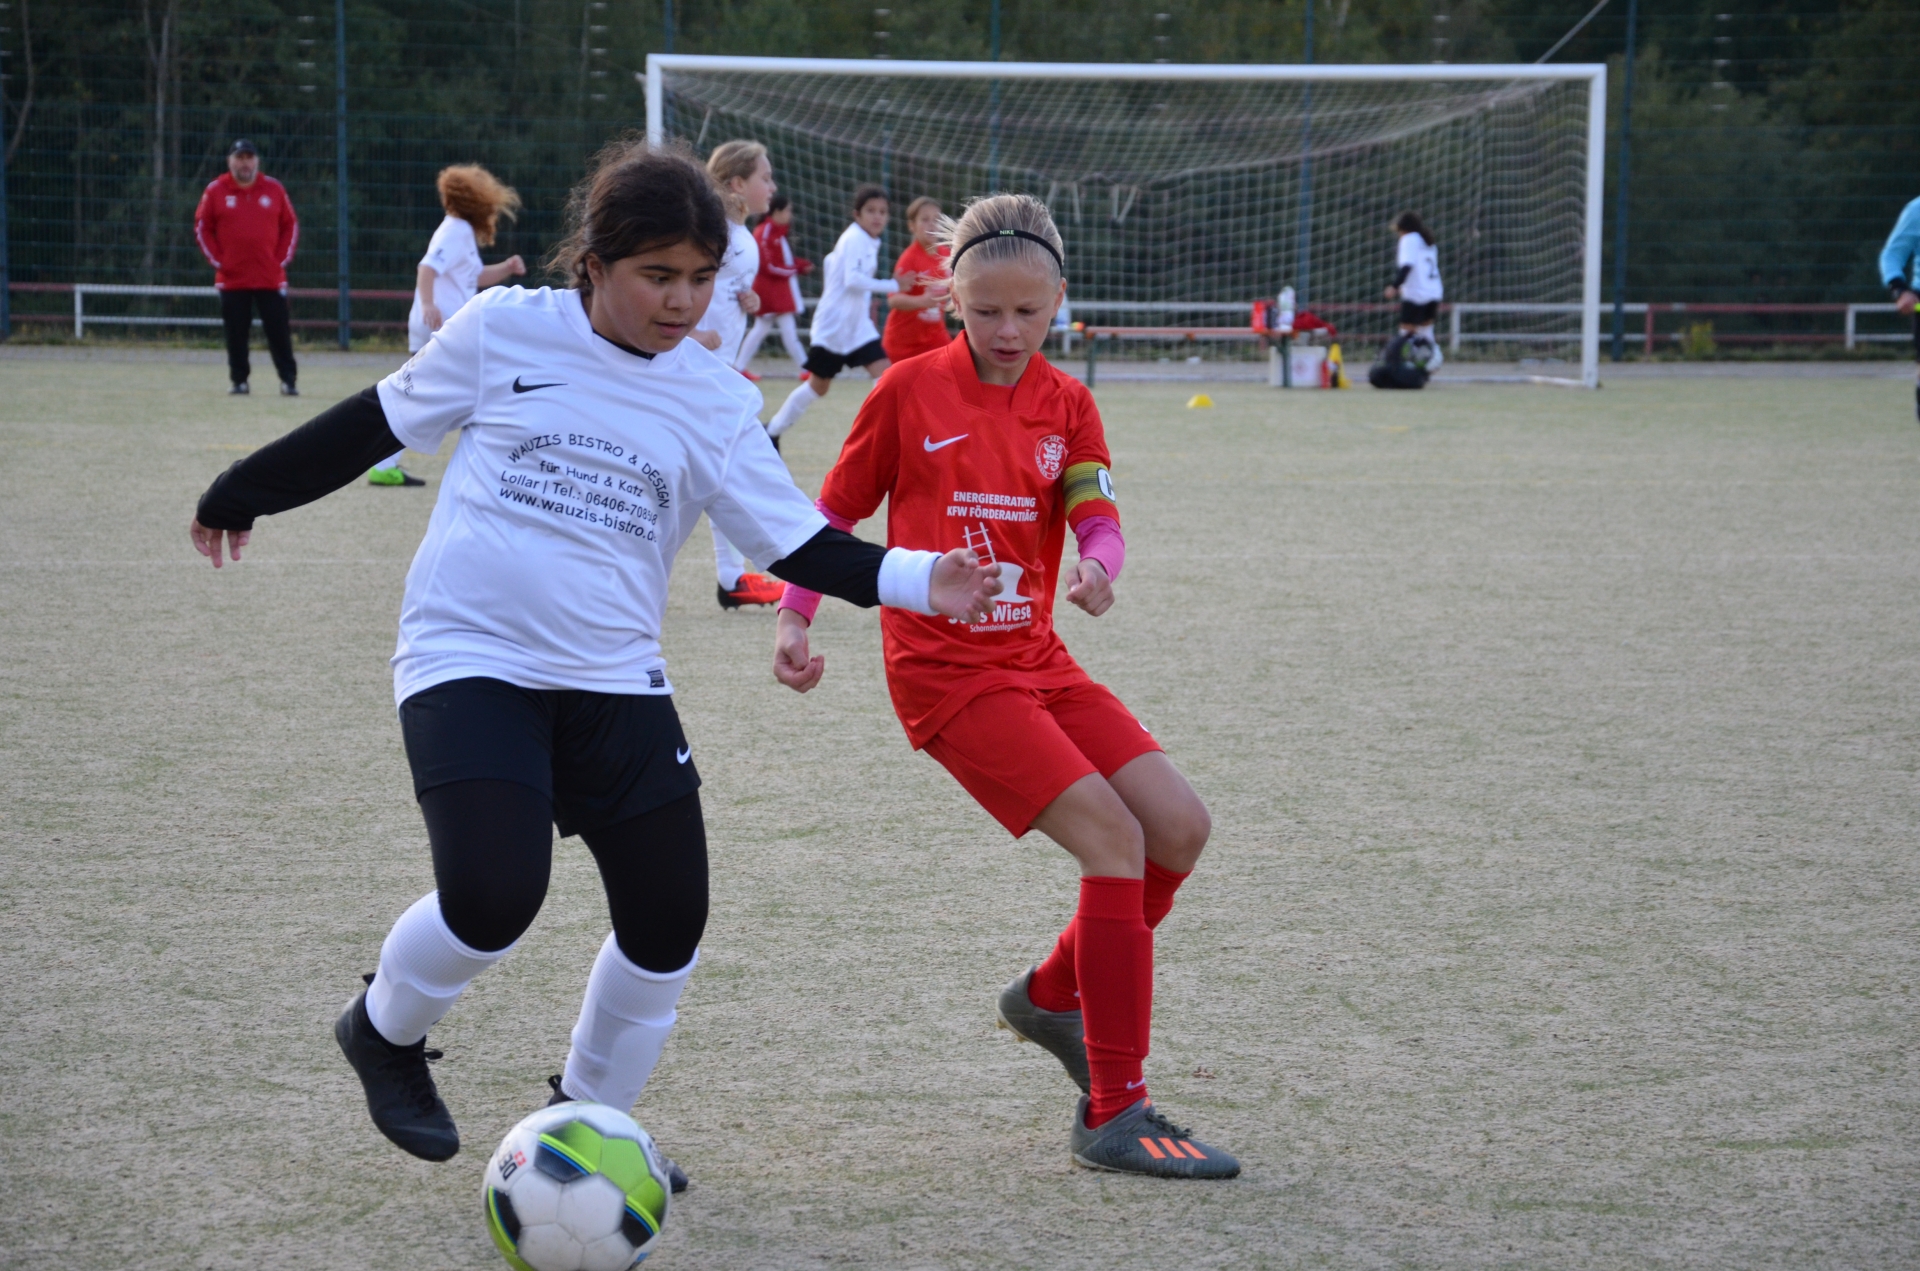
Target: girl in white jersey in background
(843,332)
(744,176)
(532,693)
(450,273)
(1416,284)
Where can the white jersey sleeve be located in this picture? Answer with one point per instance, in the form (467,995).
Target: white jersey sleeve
(438,389)
(759,508)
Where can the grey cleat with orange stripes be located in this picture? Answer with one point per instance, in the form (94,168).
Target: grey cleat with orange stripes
(1141,1141)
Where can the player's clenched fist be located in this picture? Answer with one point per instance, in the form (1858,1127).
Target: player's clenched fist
(791,664)
(1092,590)
(962,587)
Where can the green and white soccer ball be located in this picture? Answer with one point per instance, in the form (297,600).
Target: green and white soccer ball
(576,1187)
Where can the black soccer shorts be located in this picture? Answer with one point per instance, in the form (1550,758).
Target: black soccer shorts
(599,758)
(826,363)
(1413,315)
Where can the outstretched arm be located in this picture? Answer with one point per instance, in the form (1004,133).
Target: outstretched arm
(836,563)
(327,452)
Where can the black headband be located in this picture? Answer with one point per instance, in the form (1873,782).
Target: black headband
(991,234)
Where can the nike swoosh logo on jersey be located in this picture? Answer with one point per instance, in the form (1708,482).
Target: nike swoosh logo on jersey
(933,445)
(518,387)
(683,754)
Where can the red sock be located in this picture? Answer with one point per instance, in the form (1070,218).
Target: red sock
(1157,899)
(1054,986)
(1113,956)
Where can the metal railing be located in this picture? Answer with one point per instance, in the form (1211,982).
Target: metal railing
(82,318)
(1457,314)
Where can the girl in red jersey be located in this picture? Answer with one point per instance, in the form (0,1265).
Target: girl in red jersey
(916,318)
(777,284)
(985,445)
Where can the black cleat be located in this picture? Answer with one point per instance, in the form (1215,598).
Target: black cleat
(676,1177)
(288,390)
(400,1093)
(239,389)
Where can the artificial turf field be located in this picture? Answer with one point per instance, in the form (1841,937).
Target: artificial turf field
(1560,910)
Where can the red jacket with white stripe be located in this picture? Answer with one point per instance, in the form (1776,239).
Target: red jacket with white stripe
(247,234)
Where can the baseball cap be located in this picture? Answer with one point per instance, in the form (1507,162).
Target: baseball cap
(242,146)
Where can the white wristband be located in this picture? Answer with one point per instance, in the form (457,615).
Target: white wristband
(906,579)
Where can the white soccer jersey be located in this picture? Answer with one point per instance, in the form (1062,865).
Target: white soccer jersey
(738,269)
(1423,280)
(842,321)
(579,470)
(454,256)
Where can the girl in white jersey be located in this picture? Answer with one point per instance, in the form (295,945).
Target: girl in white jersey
(1416,284)
(591,435)
(843,331)
(451,272)
(744,175)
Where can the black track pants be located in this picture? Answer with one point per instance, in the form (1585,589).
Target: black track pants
(236,312)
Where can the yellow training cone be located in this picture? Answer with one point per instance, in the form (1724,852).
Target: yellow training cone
(1199,401)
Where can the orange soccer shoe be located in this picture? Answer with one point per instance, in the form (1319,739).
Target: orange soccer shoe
(752,589)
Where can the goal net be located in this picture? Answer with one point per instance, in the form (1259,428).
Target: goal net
(1184,192)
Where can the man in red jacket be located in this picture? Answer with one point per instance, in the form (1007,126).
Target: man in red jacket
(246,227)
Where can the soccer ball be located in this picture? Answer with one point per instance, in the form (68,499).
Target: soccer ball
(575,1187)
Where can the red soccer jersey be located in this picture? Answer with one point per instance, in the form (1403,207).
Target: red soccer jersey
(248,234)
(965,464)
(908,331)
(774,283)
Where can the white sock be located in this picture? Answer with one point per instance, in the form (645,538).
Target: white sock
(391,461)
(423,968)
(790,336)
(728,563)
(1426,333)
(624,1022)
(790,410)
(751,345)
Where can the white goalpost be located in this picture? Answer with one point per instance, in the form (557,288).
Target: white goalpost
(1185,191)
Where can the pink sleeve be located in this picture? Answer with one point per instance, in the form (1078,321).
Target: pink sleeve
(799,599)
(1100,539)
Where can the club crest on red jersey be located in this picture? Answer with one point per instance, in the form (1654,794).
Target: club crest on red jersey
(1050,456)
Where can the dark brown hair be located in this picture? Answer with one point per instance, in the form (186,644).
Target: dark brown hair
(867,194)
(477,197)
(637,198)
(1410,223)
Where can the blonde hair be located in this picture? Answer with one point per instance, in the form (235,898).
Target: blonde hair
(920,205)
(994,213)
(477,197)
(732,160)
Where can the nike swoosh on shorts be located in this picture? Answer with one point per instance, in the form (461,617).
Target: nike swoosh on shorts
(933,445)
(683,754)
(518,387)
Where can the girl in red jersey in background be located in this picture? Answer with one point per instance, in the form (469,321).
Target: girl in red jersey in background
(985,445)
(916,318)
(777,284)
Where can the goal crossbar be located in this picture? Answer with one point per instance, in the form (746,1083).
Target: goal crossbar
(1594,75)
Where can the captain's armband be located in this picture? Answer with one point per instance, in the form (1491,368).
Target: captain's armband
(1085,481)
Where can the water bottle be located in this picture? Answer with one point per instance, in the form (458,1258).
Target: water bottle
(1286,309)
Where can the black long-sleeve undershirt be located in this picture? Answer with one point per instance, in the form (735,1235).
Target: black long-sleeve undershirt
(1401,275)
(331,451)
(322,455)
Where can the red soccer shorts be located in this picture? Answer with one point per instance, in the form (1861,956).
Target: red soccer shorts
(1016,749)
